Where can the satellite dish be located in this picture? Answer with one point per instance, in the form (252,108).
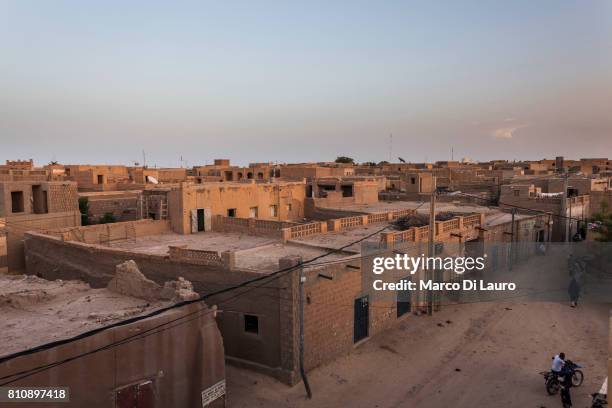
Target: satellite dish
(402,160)
(152,180)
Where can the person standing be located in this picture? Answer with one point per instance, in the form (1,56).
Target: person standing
(574,291)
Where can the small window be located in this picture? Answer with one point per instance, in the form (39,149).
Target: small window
(231,212)
(260,176)
(517,193)
(253,212)
(273,211)
(100,179)
(17,201)
(251,324)
(412,180)
(347,191)
(288,207)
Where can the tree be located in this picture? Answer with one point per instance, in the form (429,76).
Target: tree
(84,210)
(345,159)
(107,218)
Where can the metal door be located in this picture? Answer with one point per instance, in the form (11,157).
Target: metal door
(362,314)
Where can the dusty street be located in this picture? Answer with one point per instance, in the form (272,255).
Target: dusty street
(470,355)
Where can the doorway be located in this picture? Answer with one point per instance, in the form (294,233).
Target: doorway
(200,219)
(362,314)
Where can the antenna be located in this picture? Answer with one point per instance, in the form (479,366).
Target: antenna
(390,146)
(452,153)
(144,159)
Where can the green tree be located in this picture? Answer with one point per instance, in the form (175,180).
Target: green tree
(107,218)
(84,210)
(345,159)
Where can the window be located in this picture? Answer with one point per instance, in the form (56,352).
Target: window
(347,191)
(273,211)
(17,201)
(231,212)
(251,324)
(517,193)
(253,212)
(260,175)
(249,175)
(412,180)
(288,207)
(100,179)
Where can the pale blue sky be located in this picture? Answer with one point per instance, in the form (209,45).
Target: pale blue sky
(301,81)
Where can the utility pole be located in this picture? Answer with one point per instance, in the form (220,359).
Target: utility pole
(301,311)
(564,208)
(432,230)
(512,239)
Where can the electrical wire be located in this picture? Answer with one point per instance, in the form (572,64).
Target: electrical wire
(273,275)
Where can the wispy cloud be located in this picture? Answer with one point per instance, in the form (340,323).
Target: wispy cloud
(508,129)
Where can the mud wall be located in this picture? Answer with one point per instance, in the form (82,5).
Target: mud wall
(173,366)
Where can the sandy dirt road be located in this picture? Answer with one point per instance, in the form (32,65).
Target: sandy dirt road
(471,355)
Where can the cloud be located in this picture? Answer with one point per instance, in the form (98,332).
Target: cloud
(507,130)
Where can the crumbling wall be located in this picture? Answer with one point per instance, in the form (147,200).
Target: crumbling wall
(129,281)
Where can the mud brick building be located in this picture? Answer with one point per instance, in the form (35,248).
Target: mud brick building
(192,206)
(97,177)
(122,205)
(35,206)
(222,170)
(577,207)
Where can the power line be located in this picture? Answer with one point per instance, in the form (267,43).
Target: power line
(519,207)
(273,275)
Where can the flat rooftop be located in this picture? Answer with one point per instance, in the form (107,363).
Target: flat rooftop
(37,311)
(211,241)
(338,239)
(423,207)
(266,258)
(255,253)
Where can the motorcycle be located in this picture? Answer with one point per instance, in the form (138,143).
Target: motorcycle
(599,401)
(551,380)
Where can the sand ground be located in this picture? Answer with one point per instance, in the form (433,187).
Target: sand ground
(471,355)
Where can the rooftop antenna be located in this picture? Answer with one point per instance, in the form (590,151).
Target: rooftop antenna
(452,153)
(144,159)
(390,146)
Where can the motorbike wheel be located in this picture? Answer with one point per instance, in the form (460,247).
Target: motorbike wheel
(577,378)
(552,386)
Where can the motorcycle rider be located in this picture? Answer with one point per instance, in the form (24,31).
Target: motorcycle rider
(558,364)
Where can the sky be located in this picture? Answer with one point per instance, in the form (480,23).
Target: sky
(259,81)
